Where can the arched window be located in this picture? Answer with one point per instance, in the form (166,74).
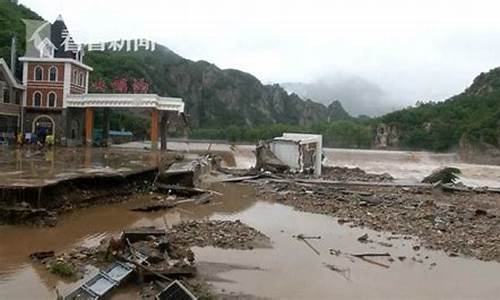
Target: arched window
(51,99)
(53,73)
(37,99)
(38,73)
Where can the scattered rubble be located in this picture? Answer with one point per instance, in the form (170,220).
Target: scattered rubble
(467,222)
(353,174)
(27,215)
(221,234)
(155,255)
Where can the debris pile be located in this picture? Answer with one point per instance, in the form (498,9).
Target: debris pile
(466,223)
(155,257)
(221,234)
(267,160)
(353,174)
(27,215)
(187,173)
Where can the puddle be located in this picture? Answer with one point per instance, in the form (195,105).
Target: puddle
(289,270)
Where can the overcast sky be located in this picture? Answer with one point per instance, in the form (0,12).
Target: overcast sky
(414,50)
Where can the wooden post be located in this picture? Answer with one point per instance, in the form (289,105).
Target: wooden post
(154,129)
(89,125)
(163,130)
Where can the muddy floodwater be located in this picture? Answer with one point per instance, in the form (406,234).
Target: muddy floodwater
(289,270)
(405,166)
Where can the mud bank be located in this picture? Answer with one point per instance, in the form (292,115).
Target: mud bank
(37,186)
(462,223)
(292,270)
(41,205)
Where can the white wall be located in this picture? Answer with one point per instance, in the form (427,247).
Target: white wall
(287,152)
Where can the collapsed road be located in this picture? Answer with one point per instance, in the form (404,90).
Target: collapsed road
(408,223)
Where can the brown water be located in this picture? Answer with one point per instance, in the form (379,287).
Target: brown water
(407,166)
(31,167)
(290,270)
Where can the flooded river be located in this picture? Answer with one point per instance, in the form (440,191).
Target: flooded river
(406,166)
(290,270)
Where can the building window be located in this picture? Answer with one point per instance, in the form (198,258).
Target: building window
(38,73)
(37,99)
(19,96)
(51,99)
(53,73)
(75,77)
(6,95)
(81,79)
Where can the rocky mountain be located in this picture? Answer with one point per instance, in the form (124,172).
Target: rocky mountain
(357,95)
(214,97)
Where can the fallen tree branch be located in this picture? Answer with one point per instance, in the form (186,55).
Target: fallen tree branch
(301,238)
(361,255)
(311,237)
(374,262)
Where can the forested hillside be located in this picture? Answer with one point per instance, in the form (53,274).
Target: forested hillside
(473,114)
(11,24)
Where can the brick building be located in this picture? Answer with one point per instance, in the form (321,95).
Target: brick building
(50,77)
(54,95)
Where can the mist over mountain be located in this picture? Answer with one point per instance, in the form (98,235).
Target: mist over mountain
(357,95)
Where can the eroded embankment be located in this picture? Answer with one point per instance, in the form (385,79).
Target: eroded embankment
(40,205)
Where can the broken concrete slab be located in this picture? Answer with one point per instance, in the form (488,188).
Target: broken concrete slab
(142,233)
(267,160)
(187,173)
